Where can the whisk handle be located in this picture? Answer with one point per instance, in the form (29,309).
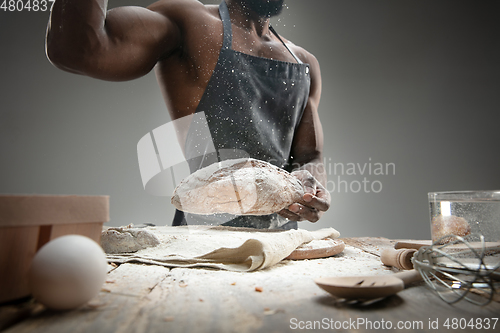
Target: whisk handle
(409,276)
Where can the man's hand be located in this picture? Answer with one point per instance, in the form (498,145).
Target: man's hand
(316,197)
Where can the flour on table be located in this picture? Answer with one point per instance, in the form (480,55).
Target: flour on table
(199,246)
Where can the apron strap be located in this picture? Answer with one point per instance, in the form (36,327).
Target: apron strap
(226,25)
(283,42)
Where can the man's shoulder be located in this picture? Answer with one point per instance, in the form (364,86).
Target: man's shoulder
(304,55)
(182,10)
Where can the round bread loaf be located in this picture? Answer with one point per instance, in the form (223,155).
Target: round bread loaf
(240,187)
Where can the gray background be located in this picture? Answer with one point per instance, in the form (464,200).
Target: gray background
(414,83)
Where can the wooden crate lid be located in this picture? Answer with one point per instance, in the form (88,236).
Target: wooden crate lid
(28,210)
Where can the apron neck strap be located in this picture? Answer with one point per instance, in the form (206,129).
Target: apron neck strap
(283,42)
(226,24)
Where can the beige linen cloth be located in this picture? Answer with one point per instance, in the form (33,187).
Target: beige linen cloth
(234,249)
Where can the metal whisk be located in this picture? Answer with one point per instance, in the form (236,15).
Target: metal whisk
(459,270)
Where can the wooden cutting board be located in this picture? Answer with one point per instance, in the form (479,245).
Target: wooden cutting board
(412,244)
(321,248)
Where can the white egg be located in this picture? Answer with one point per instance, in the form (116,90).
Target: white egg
(67,272)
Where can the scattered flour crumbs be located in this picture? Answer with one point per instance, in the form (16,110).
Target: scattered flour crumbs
(351,262)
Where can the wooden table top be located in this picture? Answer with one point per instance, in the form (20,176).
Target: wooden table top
(148,298)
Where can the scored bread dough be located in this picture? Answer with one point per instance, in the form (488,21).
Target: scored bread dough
(241,187)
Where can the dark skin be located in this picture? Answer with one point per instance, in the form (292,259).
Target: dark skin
(180,40)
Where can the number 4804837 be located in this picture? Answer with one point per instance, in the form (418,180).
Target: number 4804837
(26,5)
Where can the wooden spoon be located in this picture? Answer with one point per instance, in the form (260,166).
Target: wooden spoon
(367,287)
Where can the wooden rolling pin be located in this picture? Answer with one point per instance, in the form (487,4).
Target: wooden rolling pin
(398,258)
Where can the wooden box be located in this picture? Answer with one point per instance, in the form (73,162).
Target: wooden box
(27,222)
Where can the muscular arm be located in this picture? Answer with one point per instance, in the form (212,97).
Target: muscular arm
(121,44)
(307,154)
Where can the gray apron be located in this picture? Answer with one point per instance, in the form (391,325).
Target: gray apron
(253,107)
